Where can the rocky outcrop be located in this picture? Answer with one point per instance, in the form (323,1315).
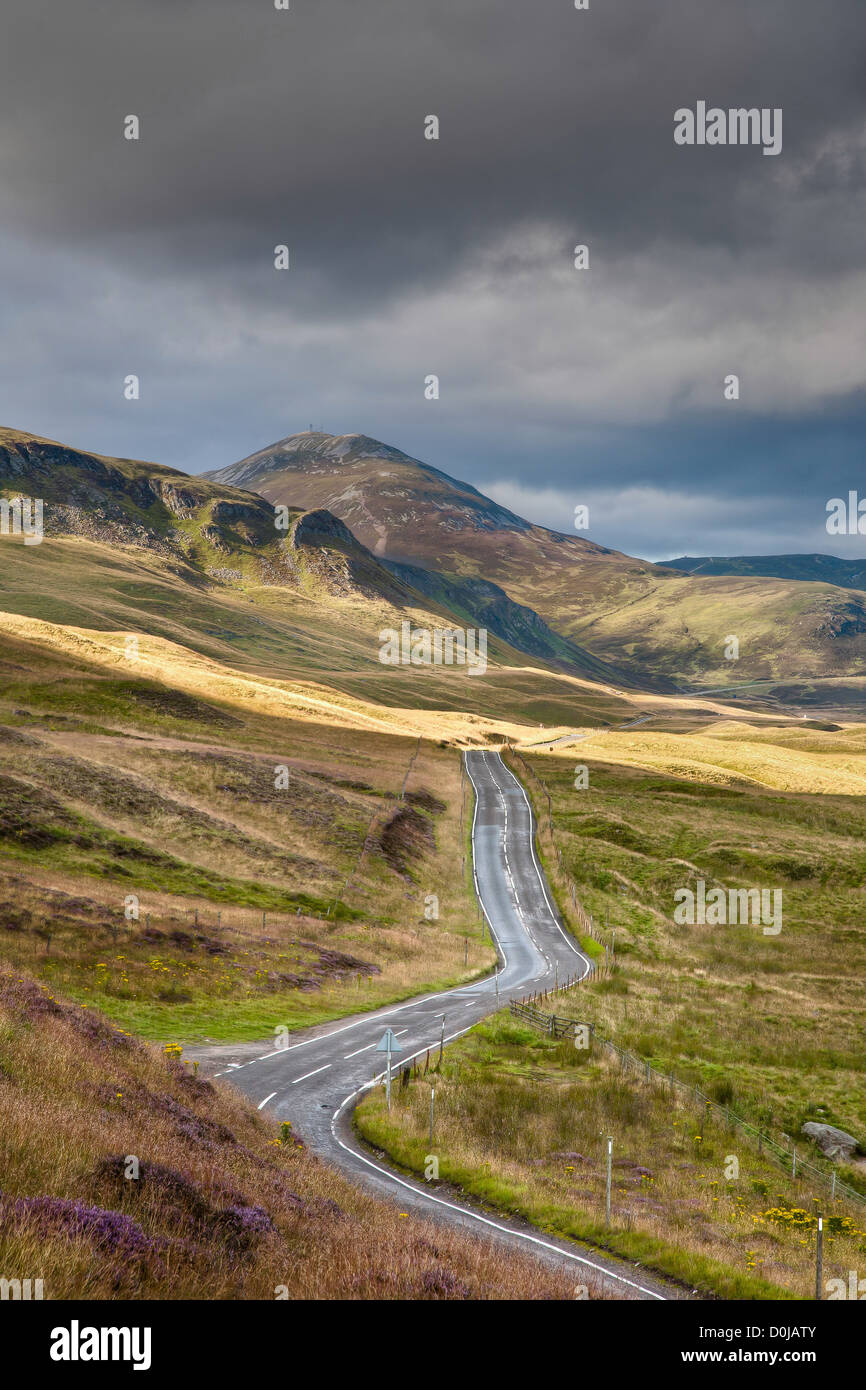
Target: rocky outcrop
(833,1143)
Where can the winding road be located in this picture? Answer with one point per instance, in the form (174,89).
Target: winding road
(316,1081)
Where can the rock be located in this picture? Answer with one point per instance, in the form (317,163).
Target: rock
(833,1143)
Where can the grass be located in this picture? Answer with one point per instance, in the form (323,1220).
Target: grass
(148,1182)
(520,1123)
(778,1021)
(146,830)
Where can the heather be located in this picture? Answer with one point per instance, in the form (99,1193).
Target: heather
(124,1175)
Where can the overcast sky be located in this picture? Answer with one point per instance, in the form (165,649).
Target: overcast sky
(454,257)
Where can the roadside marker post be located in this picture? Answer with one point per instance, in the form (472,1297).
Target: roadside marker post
(607,1186)
(432,1099)
(819,1258)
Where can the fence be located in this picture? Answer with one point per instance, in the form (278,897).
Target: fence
(788,1158)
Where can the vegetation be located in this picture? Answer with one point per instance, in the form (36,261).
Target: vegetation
(521,1124)
(203,869)
(149,1182)
(777,1019)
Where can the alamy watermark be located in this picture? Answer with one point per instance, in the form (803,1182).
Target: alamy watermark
(22,516)
(23,1290)
(720,907)
(737,126)
(440,646)
(846,517)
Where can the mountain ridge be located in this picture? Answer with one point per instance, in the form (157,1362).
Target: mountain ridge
(805,567)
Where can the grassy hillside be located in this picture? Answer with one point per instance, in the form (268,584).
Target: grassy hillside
(775,1020)
(203,812)
(681,627)
(149,1182)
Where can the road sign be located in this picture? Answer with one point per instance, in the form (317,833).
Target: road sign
(389,1043)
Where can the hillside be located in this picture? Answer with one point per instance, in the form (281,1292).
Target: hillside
(650,620)
(221,1202)
(199,557)
(826,569)
(410,512)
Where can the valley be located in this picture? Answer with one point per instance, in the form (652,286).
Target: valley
(234,839)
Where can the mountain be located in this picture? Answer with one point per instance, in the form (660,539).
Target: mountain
(827,569)
(203,559)
(407,510)
(653,621)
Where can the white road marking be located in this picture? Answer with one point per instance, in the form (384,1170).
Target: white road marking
(419,1192)
(476,1216)
(310,1073)
(263,1103)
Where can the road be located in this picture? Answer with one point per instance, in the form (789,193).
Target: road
(315,1082)
(593,733)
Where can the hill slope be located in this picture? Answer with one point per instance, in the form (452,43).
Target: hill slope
(224,1205)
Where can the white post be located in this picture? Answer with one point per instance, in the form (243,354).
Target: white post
(607,1188)
(432,1099)
(388,1082)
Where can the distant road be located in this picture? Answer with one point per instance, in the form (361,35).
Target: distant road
(593,733)
(315,1082)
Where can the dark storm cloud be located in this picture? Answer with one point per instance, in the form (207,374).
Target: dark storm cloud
(409,256)
(307,125)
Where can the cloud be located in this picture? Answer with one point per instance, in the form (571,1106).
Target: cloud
(454,257)
(663,524)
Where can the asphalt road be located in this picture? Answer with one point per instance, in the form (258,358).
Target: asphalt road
(315,1082)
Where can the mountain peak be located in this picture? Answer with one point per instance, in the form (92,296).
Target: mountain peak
(303,450)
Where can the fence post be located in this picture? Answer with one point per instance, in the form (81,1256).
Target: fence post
(607,1186)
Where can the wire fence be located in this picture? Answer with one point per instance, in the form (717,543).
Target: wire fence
(630,1063)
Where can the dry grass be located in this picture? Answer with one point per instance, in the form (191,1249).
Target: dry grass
(731,752)
(224,1207)
(520,1122)
(776,1021)
(118,787)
